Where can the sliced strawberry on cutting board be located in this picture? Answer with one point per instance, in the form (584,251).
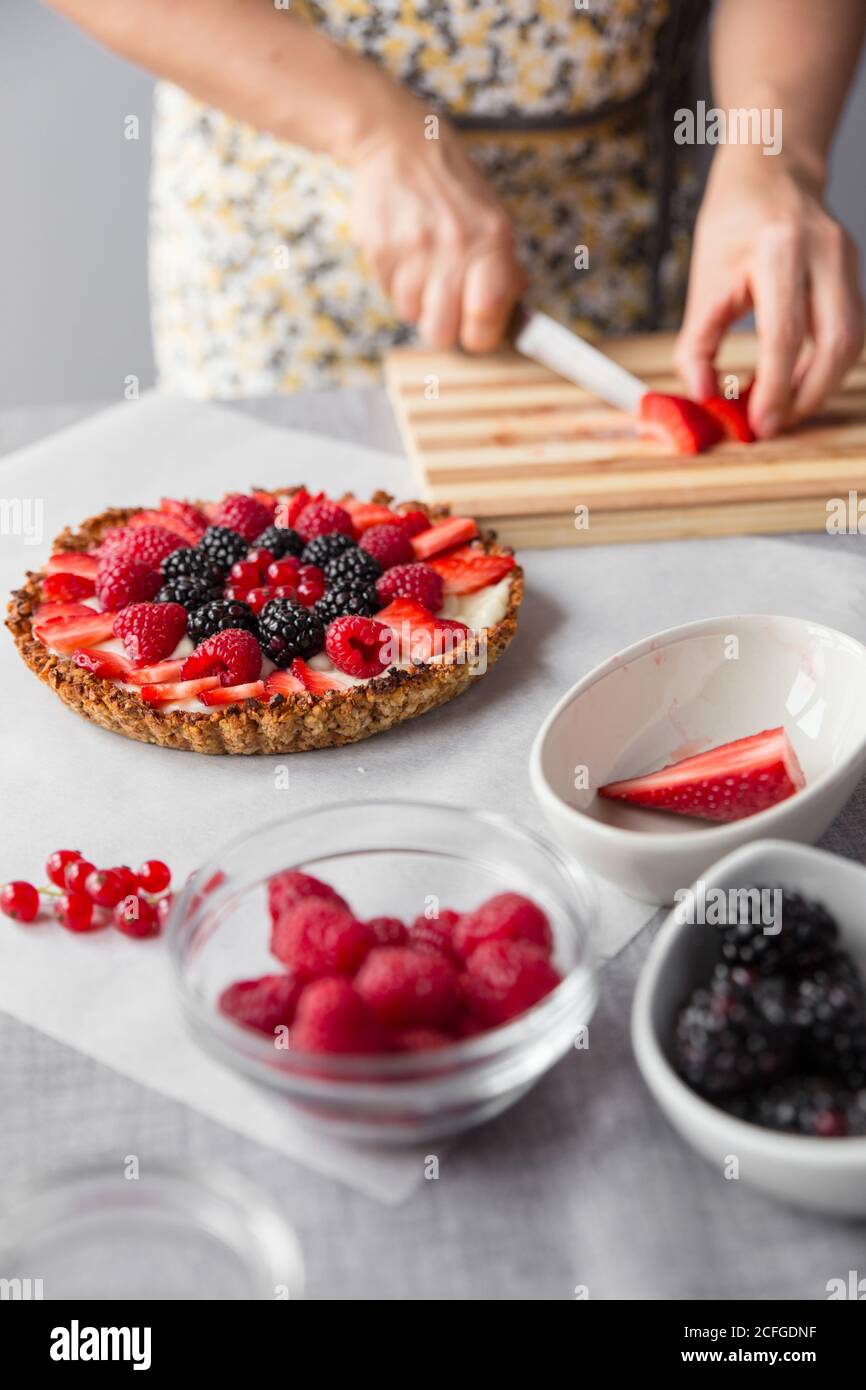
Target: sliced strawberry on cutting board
(168,691)
(283,683)
(73,562)
(111,665)
(676,421)
(316,682)
(468,569)
(726,783)
(233,694)
(732,415)
(455,530)
(169,521)
(65,634)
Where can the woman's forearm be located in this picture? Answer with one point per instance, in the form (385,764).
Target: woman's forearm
(792,55)
(258,63)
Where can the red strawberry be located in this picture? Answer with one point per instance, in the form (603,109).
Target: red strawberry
(726,783)
(168,691)
(232,654)
(390,545)
(359,646)
(445,534)
(681,424)
(319,936)
(245,515)
(283,683)
(265,1004)
(416,628)
(166,521)
(389,931)
(407,989)
(415,522)
(291,886)
(111,665)
(421,1040)
(436,934)
(73,562)
(267,499)
(149,544)
(732,415)
(66,588)
(65,634)
(367,514)
(192,516)
(315,682)
(296,504)
(469,569)
(321,519)
(506,917)
(234,694)
(418,581)
(121,581)
(46,611)
(504,979)
(150,631)
(332,1017)
(157,674)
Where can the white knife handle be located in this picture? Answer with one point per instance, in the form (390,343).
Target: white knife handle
(544,340)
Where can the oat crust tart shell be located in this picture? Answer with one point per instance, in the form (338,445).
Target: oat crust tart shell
(273,723)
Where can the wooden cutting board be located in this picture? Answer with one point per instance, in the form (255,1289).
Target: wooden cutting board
(546,464)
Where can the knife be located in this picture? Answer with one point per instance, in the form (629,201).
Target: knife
(541,338)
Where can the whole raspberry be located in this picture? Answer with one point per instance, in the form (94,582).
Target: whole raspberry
(436,934)
(332,1017)
(390,545)
(148,544)
(321,518)
(389,931)
(422,1040)
(150,631)
(359,646)
(232,654)
(318,937)
(264,1004)
(121,581)
(243,514)
(417,581)
(507,917)
(291,886)
(415,522)
(504,979)
(407,989)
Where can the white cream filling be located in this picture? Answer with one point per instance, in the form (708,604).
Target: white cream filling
(483,609)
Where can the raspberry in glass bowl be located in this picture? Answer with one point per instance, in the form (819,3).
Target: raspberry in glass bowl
(440,969)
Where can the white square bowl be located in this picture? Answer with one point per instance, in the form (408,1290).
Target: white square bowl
(826,1175)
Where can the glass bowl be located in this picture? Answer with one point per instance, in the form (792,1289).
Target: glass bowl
(386,858)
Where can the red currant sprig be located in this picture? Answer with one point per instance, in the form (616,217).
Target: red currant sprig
(85,898)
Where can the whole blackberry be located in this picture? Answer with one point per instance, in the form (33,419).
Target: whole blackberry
(806,936)
(223,547)
(190,563)
(351,567)
(190,590)
(324,548)
(812,1105)
(830,1008)
(732,1035)
(217,615)
(280,541)
(288,629)
(358,597)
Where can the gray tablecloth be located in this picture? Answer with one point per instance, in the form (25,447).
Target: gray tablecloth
(582,1184)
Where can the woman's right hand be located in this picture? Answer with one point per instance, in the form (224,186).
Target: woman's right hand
(435,235)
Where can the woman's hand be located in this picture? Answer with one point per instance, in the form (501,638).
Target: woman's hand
(765,241)
(435,235)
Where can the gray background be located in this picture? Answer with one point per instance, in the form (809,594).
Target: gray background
(73,289)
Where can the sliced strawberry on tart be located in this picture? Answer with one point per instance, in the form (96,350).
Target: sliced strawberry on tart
(266,622)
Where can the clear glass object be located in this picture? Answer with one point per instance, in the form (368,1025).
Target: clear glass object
(385,858)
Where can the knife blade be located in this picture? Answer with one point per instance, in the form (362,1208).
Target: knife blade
(541,338)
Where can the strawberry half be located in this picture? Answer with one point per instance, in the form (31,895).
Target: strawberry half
(283,683)
(65,634)
(732,415)
(468,569)
(170,521)
(233,694)
(315,682)
(46,611)
(111,665)
(66,588)
(186,512)
(73,562)
(676,421)
(167,691)
(455,530)
(421,634)
(157,674)
(724,784)
(367,514)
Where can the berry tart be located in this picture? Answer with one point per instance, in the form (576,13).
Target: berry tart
(268,622)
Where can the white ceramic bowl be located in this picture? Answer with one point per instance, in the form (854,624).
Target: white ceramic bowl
(827,1175)
(681,692)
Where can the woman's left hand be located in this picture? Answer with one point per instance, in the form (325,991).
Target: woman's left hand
(765,241)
